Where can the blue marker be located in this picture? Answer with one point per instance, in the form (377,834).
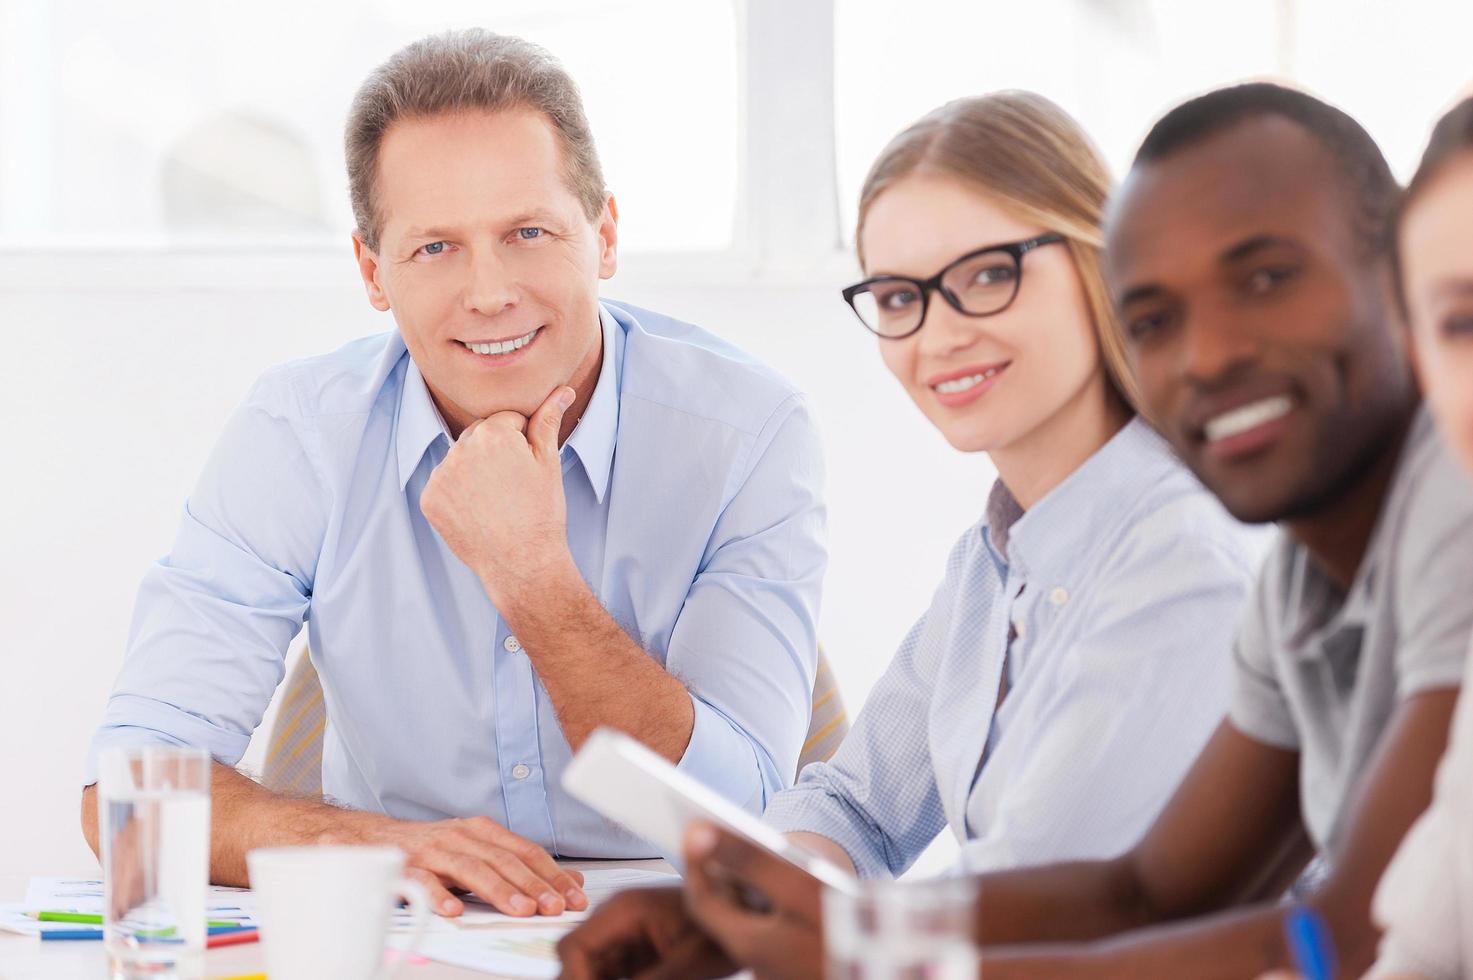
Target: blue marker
(1309,943)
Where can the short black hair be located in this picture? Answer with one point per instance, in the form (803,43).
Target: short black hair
(1369,181)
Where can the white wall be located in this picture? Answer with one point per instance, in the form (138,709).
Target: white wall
(115,378)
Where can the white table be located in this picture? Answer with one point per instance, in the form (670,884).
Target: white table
(28,958)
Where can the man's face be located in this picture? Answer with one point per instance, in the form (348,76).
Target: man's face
(487,261)
(1259,327)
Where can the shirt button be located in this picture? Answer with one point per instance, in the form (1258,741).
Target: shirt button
(521,771)
(1020,628)
(511,645)
(1059,596)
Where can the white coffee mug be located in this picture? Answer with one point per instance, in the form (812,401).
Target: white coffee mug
(324,911)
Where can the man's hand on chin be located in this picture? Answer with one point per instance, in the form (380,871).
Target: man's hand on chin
(497,500)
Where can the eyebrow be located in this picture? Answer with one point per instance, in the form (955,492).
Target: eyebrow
(1246,249)
(433,233)
(538,215)
(1137,294)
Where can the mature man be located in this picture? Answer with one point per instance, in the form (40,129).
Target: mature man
(522,515)
(1247,253)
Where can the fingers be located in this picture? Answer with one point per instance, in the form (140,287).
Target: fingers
(489,879)
(633,930)
(694,957)
(441,900)
(714,906)
(783,882)
(547,422)
(610,942)
(531,869)
(506,420)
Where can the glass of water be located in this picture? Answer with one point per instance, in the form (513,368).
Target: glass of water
(154,816)
(892,930)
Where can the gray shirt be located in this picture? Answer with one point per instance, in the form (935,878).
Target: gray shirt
(1320,670)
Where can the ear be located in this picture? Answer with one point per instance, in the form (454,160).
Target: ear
(368,268)
(608,235)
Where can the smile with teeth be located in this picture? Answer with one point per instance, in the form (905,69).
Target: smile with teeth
(962,384)
(501,346)
(1247,417)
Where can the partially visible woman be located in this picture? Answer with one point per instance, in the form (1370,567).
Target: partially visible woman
(1425,900)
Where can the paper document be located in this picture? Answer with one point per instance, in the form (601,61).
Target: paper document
(511,946)
(599,885)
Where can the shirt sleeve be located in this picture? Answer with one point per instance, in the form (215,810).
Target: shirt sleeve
(745,643)
(1425,899)
(213,618)
(1138,696)
(1434,575)
(1259,707)
(877,797)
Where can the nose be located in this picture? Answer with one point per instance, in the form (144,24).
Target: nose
(490,285)
(1214,344)
(945,331)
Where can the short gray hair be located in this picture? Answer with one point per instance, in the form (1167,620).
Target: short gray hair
(467,70)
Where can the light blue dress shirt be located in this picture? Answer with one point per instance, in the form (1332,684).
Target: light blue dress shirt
(1122,587)
(693,485)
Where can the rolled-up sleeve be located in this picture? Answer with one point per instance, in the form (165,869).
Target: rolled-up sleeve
(213,618)
(877,797)
(745,643)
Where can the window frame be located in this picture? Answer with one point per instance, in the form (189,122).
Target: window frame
(785,228)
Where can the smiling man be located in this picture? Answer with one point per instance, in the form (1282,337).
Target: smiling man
(523,514)
(1247,250)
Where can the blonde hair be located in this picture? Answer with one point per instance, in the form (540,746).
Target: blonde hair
(1029,154)
(460,71)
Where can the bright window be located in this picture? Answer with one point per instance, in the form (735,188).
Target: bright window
(1116,65)
(181,122)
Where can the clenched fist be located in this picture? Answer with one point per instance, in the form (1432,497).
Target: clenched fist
(497,499)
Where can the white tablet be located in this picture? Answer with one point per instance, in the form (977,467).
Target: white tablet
(630,784)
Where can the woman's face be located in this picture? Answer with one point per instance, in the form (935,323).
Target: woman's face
(1037,358)
(1437,270)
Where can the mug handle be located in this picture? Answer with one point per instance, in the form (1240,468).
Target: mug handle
(419,903)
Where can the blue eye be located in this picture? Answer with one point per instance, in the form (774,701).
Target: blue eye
(433,248)
(527,234)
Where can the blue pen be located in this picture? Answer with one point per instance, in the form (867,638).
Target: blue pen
(1309,943)
(63,934)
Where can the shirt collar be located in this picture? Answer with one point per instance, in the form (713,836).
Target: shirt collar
(1052,536)
(1317,605)
(420,423)
(593,439)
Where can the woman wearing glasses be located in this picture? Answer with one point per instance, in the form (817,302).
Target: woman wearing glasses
(1076,655)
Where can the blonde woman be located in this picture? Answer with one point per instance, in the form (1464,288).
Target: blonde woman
(1075,657)
(1425,900)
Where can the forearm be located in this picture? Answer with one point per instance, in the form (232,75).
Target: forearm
(245,815)
(594,673)
(1229,945)
(1070,902)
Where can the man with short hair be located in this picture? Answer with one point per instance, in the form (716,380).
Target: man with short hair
(524,514)
(1247,255)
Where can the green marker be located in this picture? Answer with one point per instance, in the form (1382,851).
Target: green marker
(90,919)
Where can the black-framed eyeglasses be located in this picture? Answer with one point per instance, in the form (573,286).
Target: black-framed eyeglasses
(980,283)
